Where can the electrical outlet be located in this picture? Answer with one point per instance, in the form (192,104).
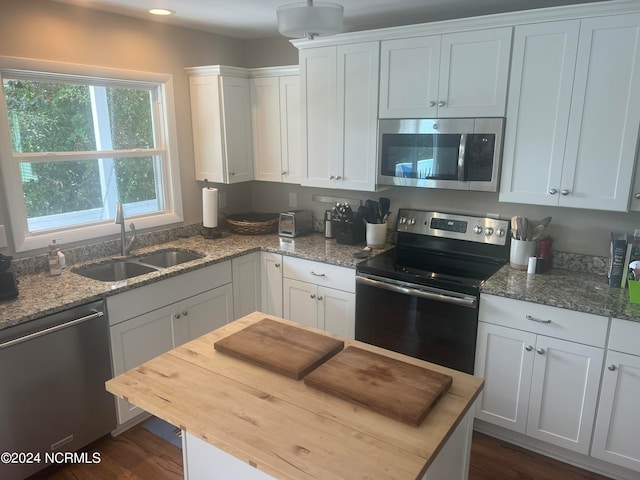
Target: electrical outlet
(3,237)
(293,199)
(222,200)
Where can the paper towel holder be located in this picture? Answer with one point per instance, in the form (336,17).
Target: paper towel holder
(210,232)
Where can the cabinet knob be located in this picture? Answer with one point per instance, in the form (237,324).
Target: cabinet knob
(185,313)
(232,173)
(553,191)
(331,177)
(637,195)
(432,104)
(277,265)
(528,348)
(612,367)
(319,297)
(284,172)
(540,351)
(441,103)
(338,177)
(565,192)
(176,316)
(313,295)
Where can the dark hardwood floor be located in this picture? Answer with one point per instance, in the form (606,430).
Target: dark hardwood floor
(139,455)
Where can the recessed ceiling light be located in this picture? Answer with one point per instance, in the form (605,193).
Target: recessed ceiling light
(161,11)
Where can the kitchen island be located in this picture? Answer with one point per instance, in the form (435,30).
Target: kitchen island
(242,420)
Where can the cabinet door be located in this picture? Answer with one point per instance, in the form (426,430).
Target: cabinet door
(615,438)
(409,75)
(538,111)
(266,130)
(206,122)
(474,72)
(605,115)
(564,392)
(337,312)
(202,313)
(246,284)
(318,110)
(136,341)
(354,166)
(271,283)
(300,302)
(236,99)
(504,357)
(290,129)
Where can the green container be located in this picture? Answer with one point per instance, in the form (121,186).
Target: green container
(634,291)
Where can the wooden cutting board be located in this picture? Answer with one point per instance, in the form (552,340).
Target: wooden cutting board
(394,388)
(282,348)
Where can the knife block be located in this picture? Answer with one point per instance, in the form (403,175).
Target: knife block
(350,233)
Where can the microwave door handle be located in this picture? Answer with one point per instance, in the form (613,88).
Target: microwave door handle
(464,301)
(461,154)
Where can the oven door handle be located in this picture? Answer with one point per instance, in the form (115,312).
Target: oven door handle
(401,287)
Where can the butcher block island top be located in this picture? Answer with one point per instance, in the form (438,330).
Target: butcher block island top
(280,425)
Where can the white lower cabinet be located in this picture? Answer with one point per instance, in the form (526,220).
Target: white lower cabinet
(542,369)
(151,320)
(319,295)
(615,439)
(271,283)
(246,284)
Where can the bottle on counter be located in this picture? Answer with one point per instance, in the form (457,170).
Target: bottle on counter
(57,260)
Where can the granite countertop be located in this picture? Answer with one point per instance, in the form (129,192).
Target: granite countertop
(573,290)
(42,294)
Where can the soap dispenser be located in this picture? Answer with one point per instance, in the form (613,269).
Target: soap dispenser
(56,258)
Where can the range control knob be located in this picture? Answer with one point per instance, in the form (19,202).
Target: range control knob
(500,232)
(488,231)
(477,229)
(412,221)
(402,220)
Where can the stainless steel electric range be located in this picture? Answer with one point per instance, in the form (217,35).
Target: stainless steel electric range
(421,297)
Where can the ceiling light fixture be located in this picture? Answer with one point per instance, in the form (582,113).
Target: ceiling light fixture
(310,19)
(161,11)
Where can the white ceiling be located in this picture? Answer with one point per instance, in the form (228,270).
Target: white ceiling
(248,19)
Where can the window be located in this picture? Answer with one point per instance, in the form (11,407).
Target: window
(75,141)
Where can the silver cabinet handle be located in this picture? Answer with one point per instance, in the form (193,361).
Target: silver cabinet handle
(553,191)
(432,104)
(540,351)
(637,195)
(55,328)
(441,103)
(232,173)
(176,316)
(528,348)
(319,297)
(317,274)
(185,313)
(285,172)
(338,177)
(533,319)
(564,192)
(331,177)
(612,367)
(313,295)
(277,265)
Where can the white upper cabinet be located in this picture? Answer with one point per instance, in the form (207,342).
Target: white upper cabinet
(574,113)
(339,91)
(275,119)
(221,122)
(453,75)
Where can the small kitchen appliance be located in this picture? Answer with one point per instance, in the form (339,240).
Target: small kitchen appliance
(421,297)
(295,223)
(328,224)
(8,281)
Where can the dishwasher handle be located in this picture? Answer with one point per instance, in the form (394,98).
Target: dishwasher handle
(40,333)
(405,289)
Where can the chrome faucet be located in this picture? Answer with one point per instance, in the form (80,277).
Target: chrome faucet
(126,248)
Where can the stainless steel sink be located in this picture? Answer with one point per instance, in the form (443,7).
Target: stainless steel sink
(120,269)
(114,270)
(168,258)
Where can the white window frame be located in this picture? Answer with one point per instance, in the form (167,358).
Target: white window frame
(166,141)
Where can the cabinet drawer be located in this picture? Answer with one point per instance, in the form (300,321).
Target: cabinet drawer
(624,336)
(331,276)
(156,295)
(551,321)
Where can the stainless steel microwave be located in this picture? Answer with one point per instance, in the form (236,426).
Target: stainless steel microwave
(452,153)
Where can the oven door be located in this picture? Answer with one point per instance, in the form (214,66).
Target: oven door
(435,325)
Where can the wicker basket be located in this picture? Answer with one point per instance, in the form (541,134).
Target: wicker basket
(253,223)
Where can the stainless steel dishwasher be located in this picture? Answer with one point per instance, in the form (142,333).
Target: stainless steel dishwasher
(52,393)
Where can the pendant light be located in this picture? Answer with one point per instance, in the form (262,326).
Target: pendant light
(310,19)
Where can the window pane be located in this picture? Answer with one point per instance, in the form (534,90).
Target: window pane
(56,117)
(49,117)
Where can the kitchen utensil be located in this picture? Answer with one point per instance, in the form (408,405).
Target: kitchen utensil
(281,348)
(524,228)
(371,211)
(376,382)
(537,232)
(384,204)
(545,221)
(514,227)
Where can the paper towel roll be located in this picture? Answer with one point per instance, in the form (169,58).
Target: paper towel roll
(209,207)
